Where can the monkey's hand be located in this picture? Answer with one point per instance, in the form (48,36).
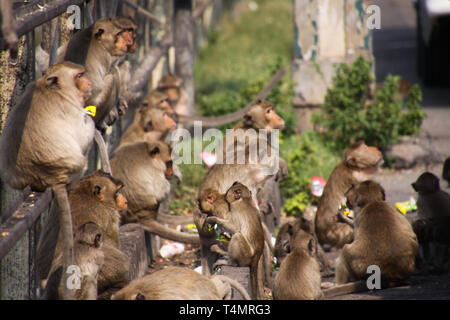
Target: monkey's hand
(225,224)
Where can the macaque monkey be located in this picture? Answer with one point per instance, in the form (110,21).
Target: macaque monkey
(211,201)
(433,207)
(171,85)
(122,71)
(51,155)
(434,243)
(96,198)
(146,169)
(358,164)
(175,283)
(247,235)
(88,257)
(383,237)
(159,100)
(285,236)
(299,275)
(107,43)
(150,124)
(432,202)
(261,116)
(446,171)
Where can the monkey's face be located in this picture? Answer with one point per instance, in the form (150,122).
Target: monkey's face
(426,183)
(111,37)
(173,93)
(273,120)
(83,85)
(66,79)
(213,203)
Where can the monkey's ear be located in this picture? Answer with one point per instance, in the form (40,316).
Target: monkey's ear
(52,82)
(98,240)
(139,296)
(312,246)
(154,152)
(286,246)
(383,194)
(351,161)
(247,119)
(99,33)
(98,192)
(290,230)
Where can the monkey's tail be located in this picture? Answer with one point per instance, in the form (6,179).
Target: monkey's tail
(166,233)
(66,230)
(174,220)
(234,284)
(267,236)
(267,256)
(106,166)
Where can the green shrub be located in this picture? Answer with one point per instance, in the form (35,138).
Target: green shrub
(349,113)
(306,157)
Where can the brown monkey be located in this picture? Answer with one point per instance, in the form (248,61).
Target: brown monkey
(383,237)
(175,283)
(247,236)
(96,198)
(150,124)
(53,155)
(299,275)
(217,181)
(446,171)
(156,99)
(89,259)
(122,71)
(358,164)
(284,238)
(145,169)
(171,85)
(261,116)
(106,42)
(432,202)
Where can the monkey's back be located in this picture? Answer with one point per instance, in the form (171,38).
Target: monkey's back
(44,145)
(298,278)
(384,238)
(172,283)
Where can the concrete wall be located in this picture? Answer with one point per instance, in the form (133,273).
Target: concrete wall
(325,33)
